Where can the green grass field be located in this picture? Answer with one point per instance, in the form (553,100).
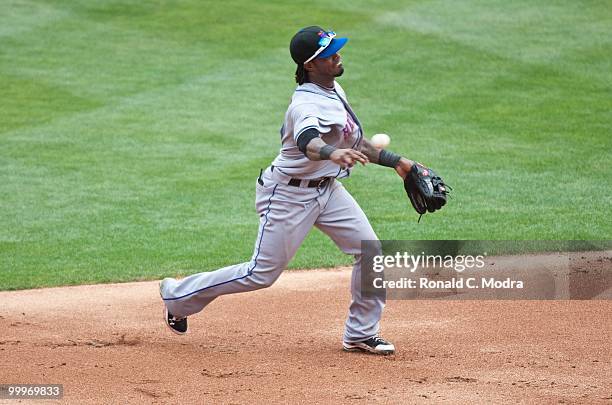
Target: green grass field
(131,132)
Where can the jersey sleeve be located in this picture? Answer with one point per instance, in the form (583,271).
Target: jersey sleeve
(306,116)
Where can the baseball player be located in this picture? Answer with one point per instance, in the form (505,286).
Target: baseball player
(322,139)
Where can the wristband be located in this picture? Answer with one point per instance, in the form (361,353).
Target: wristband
(388,159)
(326,151)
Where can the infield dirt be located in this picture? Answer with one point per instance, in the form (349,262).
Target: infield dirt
(108,344)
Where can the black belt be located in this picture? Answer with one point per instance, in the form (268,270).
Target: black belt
(312,183)
(298,182)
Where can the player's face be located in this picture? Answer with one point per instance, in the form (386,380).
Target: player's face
(331,66)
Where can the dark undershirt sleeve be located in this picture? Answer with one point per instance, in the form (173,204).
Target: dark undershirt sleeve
(305,137)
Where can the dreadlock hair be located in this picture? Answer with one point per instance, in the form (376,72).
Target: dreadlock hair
(301,75)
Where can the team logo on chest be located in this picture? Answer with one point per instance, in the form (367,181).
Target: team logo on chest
(349,127)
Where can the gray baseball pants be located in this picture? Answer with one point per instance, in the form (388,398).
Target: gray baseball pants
(287,213)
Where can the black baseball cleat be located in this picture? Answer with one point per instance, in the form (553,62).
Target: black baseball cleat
(376,345)
(176,325)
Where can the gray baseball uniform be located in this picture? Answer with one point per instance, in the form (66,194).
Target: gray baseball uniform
(289,211)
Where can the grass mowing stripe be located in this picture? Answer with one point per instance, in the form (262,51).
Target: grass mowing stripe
(494,26)
(20,16)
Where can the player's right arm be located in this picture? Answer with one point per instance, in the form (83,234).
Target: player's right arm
(311,144)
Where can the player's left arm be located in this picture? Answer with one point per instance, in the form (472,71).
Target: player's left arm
(386,158)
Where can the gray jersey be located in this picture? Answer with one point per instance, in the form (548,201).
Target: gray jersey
(329,113)
(287,213)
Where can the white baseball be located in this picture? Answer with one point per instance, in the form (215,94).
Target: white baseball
(380,141)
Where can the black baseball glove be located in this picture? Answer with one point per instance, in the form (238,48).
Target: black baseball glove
(426,190)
